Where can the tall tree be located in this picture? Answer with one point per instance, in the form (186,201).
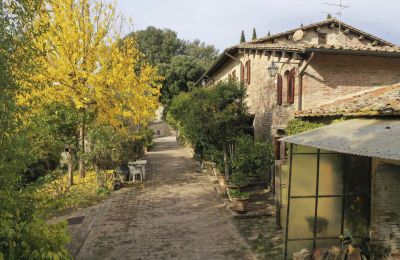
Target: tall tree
(180,62)
(83,66)
(328,16)
(158,45)
(242,37)
(254,37)
(269,33)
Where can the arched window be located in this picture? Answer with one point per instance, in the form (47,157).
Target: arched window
(279,82)
(291,81)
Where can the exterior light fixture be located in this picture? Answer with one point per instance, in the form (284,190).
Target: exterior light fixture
(273,70)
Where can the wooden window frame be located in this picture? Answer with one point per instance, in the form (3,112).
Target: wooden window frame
(279,89)
(247,72)
(291,82)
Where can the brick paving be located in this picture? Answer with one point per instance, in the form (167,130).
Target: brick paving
(174,214)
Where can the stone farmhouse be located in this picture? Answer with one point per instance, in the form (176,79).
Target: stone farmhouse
(305,68)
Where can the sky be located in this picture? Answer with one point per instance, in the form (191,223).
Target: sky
(220,22)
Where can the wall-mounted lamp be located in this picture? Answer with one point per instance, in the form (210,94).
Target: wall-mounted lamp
(273,70)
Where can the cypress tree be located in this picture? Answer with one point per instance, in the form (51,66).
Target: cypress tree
(329,16)
(254,37)
(242,38)
(269,33)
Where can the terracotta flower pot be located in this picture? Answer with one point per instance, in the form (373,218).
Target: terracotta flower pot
(240,204)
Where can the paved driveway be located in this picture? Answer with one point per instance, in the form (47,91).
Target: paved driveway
(175,214)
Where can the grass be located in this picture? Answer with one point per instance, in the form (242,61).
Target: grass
(55,197)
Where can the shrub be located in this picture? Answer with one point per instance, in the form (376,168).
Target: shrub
(251,158)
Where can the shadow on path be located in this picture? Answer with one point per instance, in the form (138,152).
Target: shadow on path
(174,214)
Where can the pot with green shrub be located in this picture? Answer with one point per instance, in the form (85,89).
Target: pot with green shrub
(239,200)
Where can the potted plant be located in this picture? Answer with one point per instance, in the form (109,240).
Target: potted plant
(240,200)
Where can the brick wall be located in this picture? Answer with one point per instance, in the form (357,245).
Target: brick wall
(331,77)
(327,79)
(385,201)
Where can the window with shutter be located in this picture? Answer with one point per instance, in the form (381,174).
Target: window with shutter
(291,84)
(279,89)
(242,73)
(248,71)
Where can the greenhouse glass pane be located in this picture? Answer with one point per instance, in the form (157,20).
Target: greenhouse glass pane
(296,246)
(327,243)
(283,216)
(304,149)
(304,175)
(301,218)
(358,171)
(356,213)
(329,220)
(331,167)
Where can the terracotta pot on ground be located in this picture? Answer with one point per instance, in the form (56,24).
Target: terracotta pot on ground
(240,204)
(231,188)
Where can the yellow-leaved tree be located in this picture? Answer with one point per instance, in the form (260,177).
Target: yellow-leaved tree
(86,65)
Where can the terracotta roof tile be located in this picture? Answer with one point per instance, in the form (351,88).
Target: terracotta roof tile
(302,47)
(314,25)
(382,101)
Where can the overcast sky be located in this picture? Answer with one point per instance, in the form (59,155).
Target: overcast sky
(219,22)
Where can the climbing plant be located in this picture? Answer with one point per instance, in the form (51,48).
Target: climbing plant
(297,126)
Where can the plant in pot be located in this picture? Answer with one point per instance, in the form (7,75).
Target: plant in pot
(240,200)
(237,180)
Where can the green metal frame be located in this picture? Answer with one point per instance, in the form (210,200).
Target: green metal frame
(317,196)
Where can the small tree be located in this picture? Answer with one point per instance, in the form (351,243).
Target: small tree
(328,16)
(254,37)
(212,118)
(269,33)
(242,38)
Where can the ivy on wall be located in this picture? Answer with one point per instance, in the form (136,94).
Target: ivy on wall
(297,126)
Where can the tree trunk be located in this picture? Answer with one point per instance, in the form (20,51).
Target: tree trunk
(70,167)
(82,170)
(226,162)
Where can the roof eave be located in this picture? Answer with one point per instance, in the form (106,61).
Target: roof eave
(216,65)
(354,52)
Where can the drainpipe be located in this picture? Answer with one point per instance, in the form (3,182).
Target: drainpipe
(301,74)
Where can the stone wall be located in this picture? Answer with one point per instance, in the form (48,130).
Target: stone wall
(385,217)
